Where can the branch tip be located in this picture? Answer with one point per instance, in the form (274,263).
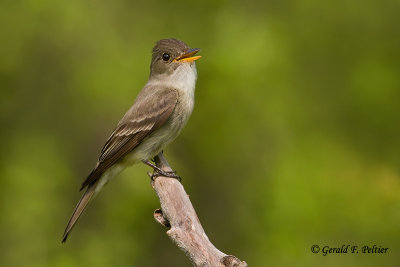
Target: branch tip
(232,261)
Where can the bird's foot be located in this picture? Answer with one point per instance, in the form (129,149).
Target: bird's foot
(159,172)
(170,174)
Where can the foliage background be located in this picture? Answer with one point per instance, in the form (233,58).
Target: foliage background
(294,139)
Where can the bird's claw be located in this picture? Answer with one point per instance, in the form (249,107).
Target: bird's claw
(169,174)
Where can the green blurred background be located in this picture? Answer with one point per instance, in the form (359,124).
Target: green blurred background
(294,140)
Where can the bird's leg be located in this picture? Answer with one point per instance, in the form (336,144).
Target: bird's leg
(159,172)
(148,163)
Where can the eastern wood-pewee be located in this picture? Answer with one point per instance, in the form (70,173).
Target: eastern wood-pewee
(158,114)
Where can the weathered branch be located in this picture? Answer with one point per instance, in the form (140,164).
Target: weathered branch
(186,232)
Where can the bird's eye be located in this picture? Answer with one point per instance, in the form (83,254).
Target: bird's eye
(165,56)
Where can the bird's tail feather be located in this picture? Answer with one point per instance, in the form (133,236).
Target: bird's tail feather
(80,207)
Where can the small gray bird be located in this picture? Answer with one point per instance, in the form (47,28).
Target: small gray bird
(158,114)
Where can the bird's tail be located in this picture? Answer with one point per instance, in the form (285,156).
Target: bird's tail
(80,207)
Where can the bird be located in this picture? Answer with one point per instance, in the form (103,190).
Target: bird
(158,114)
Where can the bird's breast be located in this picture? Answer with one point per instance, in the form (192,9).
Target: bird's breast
(183,81)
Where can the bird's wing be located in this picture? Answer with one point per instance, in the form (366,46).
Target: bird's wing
(146,115)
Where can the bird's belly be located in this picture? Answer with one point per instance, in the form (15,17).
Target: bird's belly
(153,144)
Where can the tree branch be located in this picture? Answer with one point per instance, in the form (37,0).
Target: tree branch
(186,232)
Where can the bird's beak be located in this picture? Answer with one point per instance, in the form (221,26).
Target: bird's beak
(188,56)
